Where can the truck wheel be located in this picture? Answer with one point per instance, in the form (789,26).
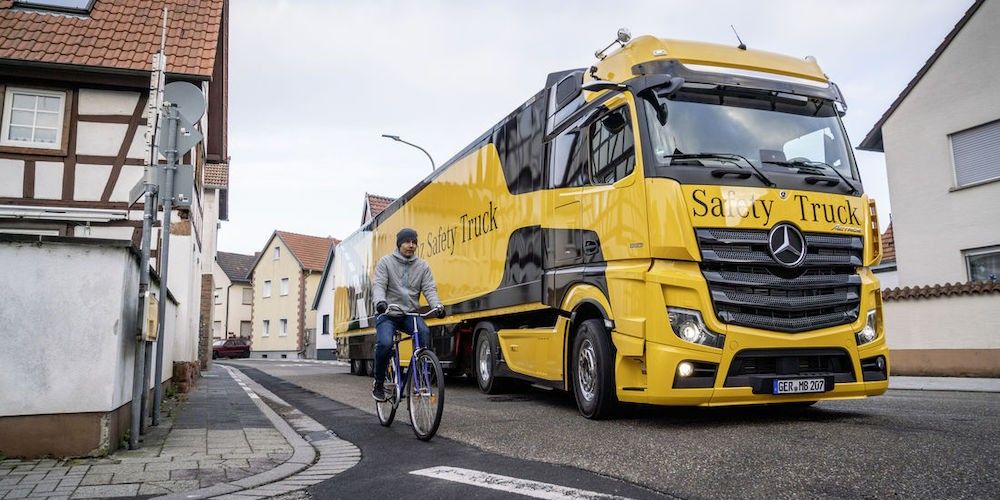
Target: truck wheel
(485,365)
(592,369)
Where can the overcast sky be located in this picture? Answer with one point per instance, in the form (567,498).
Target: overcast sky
(313,84)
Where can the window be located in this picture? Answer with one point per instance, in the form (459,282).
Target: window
(267,288)
(218,296)
(284,286)
(245,329)
(267,328)
(277,253)
(568,160)
(975,152)
(72,6)
(983,264)
(217,329)
(326,325)
(282,327)
(33,118)
(247,296)
(612,150)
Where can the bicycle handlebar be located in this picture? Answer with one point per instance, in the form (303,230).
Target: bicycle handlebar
(399,308)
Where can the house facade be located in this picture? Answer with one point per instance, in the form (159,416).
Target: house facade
(941,139)
(75,137)
(232,299)
(322,305)
(286,277)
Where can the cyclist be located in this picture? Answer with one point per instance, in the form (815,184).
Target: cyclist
(400,278)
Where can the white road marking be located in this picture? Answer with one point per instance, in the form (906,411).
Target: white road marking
(534,489)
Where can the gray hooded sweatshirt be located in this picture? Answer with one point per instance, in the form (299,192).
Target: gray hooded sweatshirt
(400,280)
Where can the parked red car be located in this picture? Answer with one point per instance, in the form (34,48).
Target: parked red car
(231,348)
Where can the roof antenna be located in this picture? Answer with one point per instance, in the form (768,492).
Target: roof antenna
(741,46)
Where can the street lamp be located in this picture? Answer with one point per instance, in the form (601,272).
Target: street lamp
(397,139)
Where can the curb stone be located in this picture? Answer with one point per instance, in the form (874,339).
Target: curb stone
(308,438)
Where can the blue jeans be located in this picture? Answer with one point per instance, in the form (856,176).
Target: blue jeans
(385,327)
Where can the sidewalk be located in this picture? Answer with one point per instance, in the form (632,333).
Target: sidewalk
(218,437)
(945,384)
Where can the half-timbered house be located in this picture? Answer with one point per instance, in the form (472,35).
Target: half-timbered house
(75,134)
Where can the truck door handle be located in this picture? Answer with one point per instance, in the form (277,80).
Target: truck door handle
(590,247)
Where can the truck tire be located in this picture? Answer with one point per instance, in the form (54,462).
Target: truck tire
(592,369)
(485,356)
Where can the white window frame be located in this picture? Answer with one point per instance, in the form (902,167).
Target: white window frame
(8,106)
(277,253)
(282,327)
(326,325)
(284,286)
(218,296)
(975,252)
(247,297)
(267,328)
(267,289)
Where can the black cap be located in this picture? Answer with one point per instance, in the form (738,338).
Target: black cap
(404,235)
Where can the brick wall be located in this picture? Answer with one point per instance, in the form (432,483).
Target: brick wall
(205,320)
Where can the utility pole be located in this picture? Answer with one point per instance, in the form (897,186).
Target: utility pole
(143,352)
(170,151)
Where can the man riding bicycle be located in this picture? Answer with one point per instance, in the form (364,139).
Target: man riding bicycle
(400,278)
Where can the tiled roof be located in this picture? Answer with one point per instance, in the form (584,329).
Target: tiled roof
(236,265)
(118,34)
(376,203)
(888,245)
(217,175)
(311,251)
(926,292)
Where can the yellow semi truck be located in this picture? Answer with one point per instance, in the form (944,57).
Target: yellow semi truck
(679,224)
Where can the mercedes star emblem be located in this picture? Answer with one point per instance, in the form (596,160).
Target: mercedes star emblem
(787,245)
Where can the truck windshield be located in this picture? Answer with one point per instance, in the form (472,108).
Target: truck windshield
(777,132)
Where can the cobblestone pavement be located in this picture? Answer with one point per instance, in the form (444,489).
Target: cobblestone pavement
(219,435)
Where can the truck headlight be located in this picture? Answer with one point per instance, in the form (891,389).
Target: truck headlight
(868,333)
(688,326)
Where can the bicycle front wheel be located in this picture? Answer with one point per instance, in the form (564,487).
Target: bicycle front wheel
(425,394)
(386,410)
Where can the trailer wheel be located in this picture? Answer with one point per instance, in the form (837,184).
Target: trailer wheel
(486,353)
(354,366)
(593,370)
(369,367)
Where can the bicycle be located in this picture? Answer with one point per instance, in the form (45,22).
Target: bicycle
(422,383)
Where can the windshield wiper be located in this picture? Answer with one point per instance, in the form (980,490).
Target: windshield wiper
(730,157)
(810,164)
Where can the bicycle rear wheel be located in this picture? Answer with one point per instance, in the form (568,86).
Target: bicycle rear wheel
(386,410)
(425,399)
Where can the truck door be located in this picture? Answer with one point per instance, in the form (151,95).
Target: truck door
(612,203)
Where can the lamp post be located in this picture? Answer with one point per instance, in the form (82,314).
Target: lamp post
(397,139)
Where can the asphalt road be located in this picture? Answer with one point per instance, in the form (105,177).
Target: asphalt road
(912,444)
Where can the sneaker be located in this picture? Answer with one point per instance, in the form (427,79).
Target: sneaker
(378,392)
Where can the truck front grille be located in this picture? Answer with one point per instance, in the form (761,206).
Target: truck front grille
(749,288)
(752,364)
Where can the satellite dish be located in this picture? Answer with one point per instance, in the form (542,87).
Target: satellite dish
(189,99)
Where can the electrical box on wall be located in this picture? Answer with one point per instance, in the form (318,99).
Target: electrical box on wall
(149,323)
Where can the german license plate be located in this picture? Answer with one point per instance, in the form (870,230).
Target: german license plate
(799,386)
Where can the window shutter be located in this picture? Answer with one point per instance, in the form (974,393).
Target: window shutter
(977,154)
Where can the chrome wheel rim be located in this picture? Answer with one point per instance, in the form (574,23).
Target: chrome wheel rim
(485,361)
(586,371)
